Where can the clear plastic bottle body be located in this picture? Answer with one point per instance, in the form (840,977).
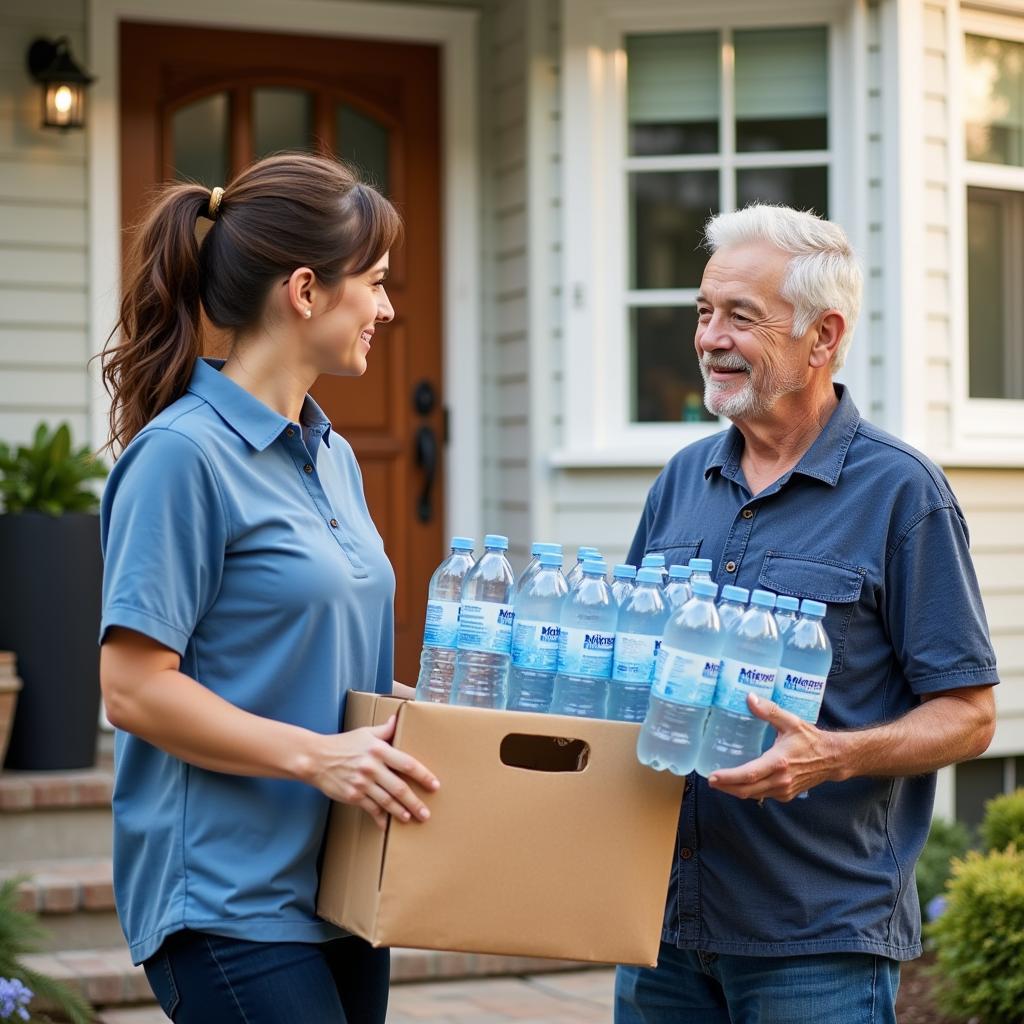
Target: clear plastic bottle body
(441,628)
(533,566)
(575,574)
(677,590)
(731,606)
(538,608)
(684,683)
(804,667)
(586,647)
(786,613)
(623,583)
(638,632)
(485,631)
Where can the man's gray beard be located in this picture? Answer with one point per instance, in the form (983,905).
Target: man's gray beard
(747,403)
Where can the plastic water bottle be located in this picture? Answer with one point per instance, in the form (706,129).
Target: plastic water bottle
(575,574)
(684,684)
(677,590)
(538,607)
(638,633)
(538,548)
(750,663)
(700,569)
(656,561)
(485,629)
(586,645)
(622,582)
(786,609)
(441,629)
(731,605)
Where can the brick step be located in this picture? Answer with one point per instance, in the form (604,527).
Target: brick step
(108,979)
(87,788)
(74,898)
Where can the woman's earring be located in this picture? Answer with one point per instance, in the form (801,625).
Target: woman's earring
(307,313)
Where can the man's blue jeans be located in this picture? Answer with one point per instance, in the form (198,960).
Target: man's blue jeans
(200,978)
(693,987)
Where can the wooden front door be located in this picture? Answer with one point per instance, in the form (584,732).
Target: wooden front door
(200,104)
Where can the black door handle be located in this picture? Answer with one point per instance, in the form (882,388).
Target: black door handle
(426,459)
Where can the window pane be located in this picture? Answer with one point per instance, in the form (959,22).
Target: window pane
(669,210)
(282,119)
(976,782)
(781,89)
(199,135)
(995,308)
(805,188)
(666,385)
(365,143)
(672,85)
(994,101)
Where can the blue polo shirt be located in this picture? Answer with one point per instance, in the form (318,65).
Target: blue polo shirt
(242,542)
(871,527)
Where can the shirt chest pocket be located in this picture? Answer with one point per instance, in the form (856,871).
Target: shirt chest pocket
(676,552)
(821,579)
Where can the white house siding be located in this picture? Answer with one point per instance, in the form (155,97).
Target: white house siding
(43,284)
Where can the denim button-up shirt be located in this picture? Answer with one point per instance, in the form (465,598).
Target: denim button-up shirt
(868,525)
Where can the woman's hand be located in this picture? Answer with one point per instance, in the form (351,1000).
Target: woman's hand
(362,768)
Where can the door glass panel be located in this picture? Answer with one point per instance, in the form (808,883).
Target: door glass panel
(805,188)
(365,143)
(994,100)
(281,119)
(199,136)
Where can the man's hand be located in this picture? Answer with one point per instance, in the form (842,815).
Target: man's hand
(801,757)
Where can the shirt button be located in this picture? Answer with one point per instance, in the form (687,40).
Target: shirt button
(730,566)
(308,468)
(334,523)
(748,513)
(686,853)
(289,432)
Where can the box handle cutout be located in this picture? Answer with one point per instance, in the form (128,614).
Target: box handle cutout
(544,753)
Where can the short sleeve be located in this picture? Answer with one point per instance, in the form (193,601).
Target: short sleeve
(934,609)
(164,532)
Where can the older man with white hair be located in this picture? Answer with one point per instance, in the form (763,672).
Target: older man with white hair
(786,911)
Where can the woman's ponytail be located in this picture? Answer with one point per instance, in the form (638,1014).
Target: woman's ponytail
(158,332)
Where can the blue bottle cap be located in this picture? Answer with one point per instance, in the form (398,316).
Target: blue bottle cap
(700,565)
(649,574)
(624,572)
(731,593)
(595,567)
(815,608)
(582,552)
(655,560)
(763,599)
(463,543)
(679,572)
(541,547)
(550,560)
(496,540)
(787,604)
(705,588)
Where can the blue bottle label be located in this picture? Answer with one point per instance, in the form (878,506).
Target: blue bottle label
(585,652)
(800,693)
(535,645)
(737,679)
(635,656)
(486,626)
(685,678)
(442,625)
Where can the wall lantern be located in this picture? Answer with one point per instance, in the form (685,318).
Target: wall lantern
(63,81)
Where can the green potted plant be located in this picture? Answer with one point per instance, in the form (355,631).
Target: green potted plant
(50,612)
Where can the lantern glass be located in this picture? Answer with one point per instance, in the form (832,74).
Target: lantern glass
(64,105)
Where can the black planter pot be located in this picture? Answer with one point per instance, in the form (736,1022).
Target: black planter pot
(50,617)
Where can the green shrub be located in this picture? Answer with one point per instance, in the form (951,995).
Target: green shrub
(946,840)
(48,475)
(979,939)
(1004,821)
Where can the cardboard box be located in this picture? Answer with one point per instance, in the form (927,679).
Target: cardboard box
(547,838)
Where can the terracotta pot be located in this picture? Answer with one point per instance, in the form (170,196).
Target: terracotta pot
(10,684)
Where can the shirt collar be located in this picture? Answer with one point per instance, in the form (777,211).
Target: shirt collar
(251,419)
(822,461)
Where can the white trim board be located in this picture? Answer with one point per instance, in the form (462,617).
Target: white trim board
(455,32)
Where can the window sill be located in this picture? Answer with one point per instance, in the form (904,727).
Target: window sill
(648,457)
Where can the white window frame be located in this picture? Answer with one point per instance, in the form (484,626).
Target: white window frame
(596,402)
(986,431)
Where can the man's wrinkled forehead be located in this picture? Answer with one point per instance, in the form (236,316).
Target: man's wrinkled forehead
(747,276)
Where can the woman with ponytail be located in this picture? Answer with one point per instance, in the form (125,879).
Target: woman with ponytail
(246,590)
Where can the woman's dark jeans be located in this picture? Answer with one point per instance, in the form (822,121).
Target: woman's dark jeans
(200,978)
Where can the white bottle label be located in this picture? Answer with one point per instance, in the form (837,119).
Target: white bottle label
(738,678)
(486,626)
(800,694)
(585,652)
(535,645)
(635,656)
(442,625)
(685,678)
